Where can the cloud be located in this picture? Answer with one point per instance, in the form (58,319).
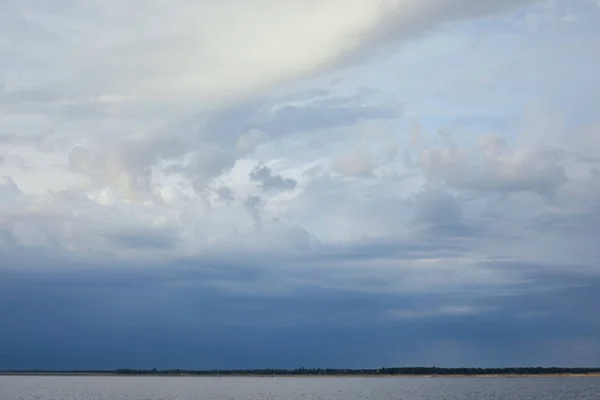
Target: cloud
(248,142)
(357,163)
(225,194)
(9,191)
(183,300)
(150,90)
(439,212)
(170,44)
(443,311)
(254,205)
(491,167)
(325,111)
(378,146)
(268,180)
(221,172)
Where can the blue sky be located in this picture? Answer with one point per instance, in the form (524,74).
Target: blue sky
(249,184)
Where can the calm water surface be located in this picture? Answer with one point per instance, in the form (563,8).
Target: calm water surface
(192,388)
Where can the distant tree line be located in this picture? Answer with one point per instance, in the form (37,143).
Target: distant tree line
(333,372)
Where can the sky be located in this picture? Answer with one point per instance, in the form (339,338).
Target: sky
(205,184)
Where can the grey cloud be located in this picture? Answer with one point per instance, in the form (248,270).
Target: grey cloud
(248,142)
(142,238)
(84,307)
(438,212)
(9,191)
(403,250)
(294,113)
(322,113)
(225,194)
(254,205)
(268,180)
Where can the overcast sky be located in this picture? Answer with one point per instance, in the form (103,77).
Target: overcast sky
(288,183)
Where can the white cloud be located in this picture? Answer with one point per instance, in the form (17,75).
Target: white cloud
(491,168)
(114,60)
(126,121)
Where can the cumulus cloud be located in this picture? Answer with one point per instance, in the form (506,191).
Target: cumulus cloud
(124,120)
(268,180)
(377,147)
(491,166)
(136,75)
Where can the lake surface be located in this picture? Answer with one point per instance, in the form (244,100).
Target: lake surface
(258,388)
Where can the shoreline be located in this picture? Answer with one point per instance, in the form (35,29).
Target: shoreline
(184,375)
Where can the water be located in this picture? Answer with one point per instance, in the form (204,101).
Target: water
(257,388)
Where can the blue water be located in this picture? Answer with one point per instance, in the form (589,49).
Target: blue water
(192,388)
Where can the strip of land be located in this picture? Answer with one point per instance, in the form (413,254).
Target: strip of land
(424,372)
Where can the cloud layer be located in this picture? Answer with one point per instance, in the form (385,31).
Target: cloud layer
(334,174)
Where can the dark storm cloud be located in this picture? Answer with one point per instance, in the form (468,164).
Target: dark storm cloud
(177,317)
